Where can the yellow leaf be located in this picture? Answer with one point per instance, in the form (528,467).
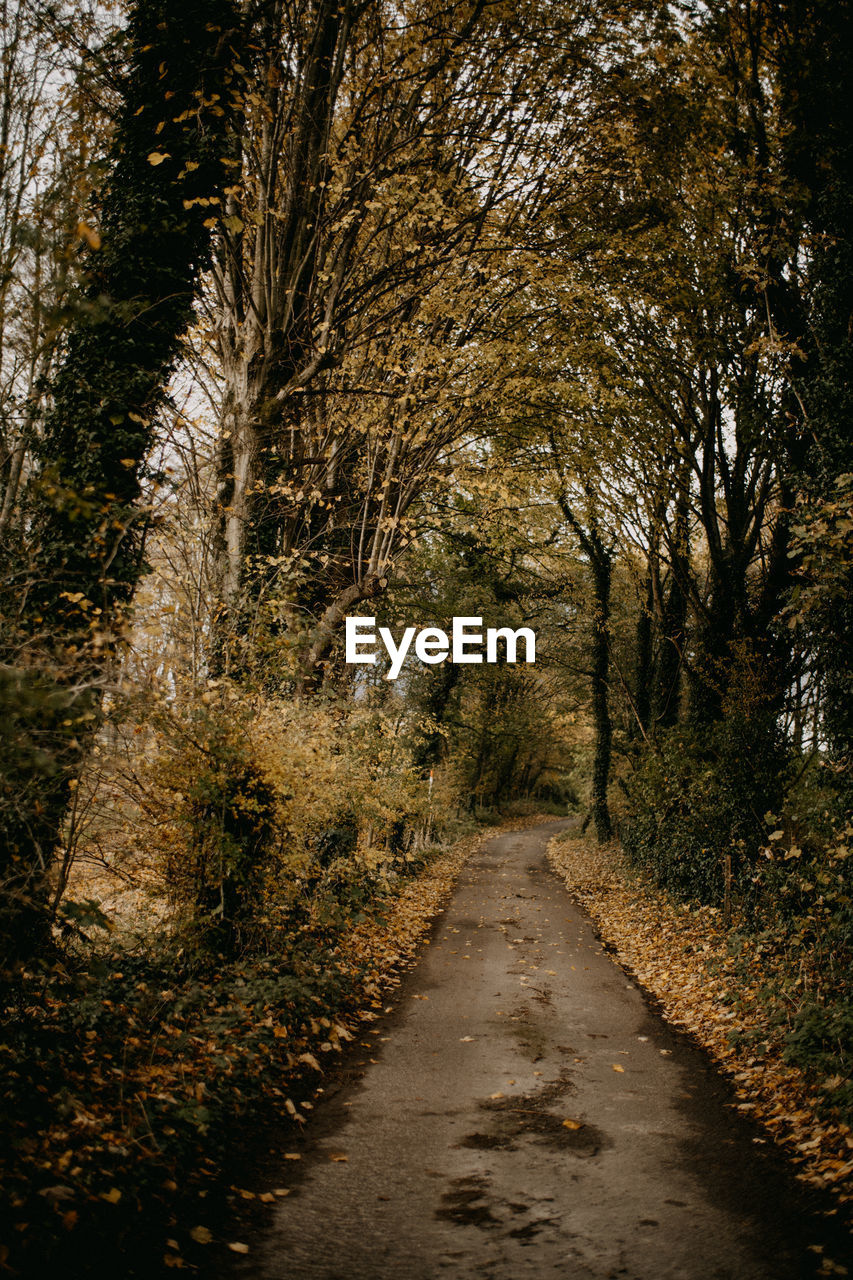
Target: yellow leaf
(89,234)
(338,1157)
(572,1124)
(157,157)
(236,1247)
(112,1196)
(201,1235)
(617,1067)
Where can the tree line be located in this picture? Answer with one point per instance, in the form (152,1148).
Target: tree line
(535,312)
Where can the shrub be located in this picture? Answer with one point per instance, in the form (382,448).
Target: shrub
(268,805)
(230,809)
(700,797)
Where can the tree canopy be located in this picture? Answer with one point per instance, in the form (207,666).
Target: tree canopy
(531,312)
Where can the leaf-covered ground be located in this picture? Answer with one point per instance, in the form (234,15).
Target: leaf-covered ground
(131,1082)
(128,1080)
(719,985)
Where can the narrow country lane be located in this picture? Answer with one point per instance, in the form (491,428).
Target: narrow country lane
(528,1116)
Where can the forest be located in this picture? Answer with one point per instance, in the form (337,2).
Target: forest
(538,312)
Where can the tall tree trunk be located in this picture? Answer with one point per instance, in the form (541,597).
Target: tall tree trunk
(816,79)
(600,557)
(673,620)
(601,574)
(644,666)
(75,578)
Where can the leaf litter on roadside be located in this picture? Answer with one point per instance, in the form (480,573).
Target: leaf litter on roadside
(682,956)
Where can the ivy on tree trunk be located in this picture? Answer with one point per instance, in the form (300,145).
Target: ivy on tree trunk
(85,543)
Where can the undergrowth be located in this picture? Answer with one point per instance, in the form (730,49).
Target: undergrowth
(131,1074)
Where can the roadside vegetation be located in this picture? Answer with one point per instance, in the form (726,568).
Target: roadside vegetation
(760,995)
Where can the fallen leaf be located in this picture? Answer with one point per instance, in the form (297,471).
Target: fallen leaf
(338,1157)
(572,1124)
(201,1235)
(617,1067)
(236,1247)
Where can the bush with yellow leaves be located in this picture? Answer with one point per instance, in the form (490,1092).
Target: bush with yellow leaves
(278,812)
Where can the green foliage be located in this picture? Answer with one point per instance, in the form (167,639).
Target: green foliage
(816,81)
(162,1056)
(820,1041)
(700,797)
(821,611)
(164,172)
(806,908)
(37,717)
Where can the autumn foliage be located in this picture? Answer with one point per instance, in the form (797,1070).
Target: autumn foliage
(529,312)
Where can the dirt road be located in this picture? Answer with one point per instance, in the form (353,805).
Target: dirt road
(526,1115)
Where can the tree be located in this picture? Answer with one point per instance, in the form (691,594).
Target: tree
(815,85)
(366,270)
(70,577)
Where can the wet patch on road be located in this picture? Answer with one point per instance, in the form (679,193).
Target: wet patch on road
(533,1032)
(467,1204)
(530,1116)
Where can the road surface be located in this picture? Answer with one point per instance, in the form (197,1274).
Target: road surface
(525,1114)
